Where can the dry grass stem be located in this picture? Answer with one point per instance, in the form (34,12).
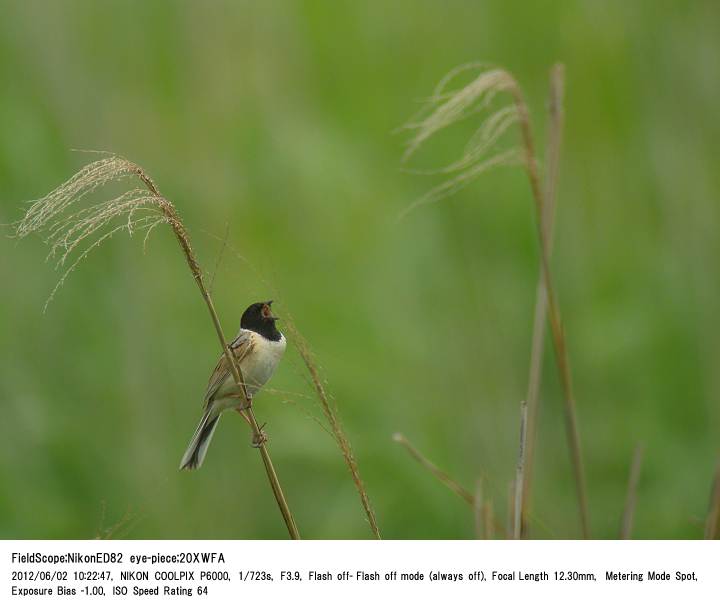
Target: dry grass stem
(134,210)
(555,132)
(330,410)
(712,523)
(631,496)
(520,473)
(448,107)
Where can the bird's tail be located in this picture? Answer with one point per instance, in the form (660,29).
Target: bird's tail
(195,453)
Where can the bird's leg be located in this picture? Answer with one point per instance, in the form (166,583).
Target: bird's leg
(244,403)
(243,406)
(259,438)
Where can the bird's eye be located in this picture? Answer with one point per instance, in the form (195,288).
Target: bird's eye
(266,311)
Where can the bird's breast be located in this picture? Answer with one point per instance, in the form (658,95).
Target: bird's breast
(260,364)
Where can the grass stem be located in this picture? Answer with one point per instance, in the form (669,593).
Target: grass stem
(520,474)
(556,327)
(631,496)
(555,132)
(712,523)
(474,501)
(478,510)
(489,520)
(445,478)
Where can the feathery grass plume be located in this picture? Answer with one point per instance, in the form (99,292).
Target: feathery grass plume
(72,236)
(135,210)
(556,116)
(329,409)
(712,522)
(448,107)
(631,496)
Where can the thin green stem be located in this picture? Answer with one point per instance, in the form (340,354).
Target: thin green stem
(631,496)
(519,476)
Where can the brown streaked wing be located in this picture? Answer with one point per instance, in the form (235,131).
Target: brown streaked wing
(241,346)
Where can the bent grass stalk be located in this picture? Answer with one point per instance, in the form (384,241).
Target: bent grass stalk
(481,508)
(445,478)
(139,211)
(448,107)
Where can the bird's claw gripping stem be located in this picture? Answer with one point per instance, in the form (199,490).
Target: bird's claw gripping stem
(259,438)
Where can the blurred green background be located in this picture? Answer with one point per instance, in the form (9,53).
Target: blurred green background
(276,119)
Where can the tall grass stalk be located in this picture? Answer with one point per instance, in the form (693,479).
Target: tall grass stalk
(556,327)
(631,495)
(133,211)
(556,117)
(447,107)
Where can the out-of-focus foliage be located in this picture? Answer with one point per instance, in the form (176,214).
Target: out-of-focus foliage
(277,119)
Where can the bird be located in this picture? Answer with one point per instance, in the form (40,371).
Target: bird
(257,348)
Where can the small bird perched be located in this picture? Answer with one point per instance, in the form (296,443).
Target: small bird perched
(257,348)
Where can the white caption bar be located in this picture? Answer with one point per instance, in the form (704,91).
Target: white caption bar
(355,573)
